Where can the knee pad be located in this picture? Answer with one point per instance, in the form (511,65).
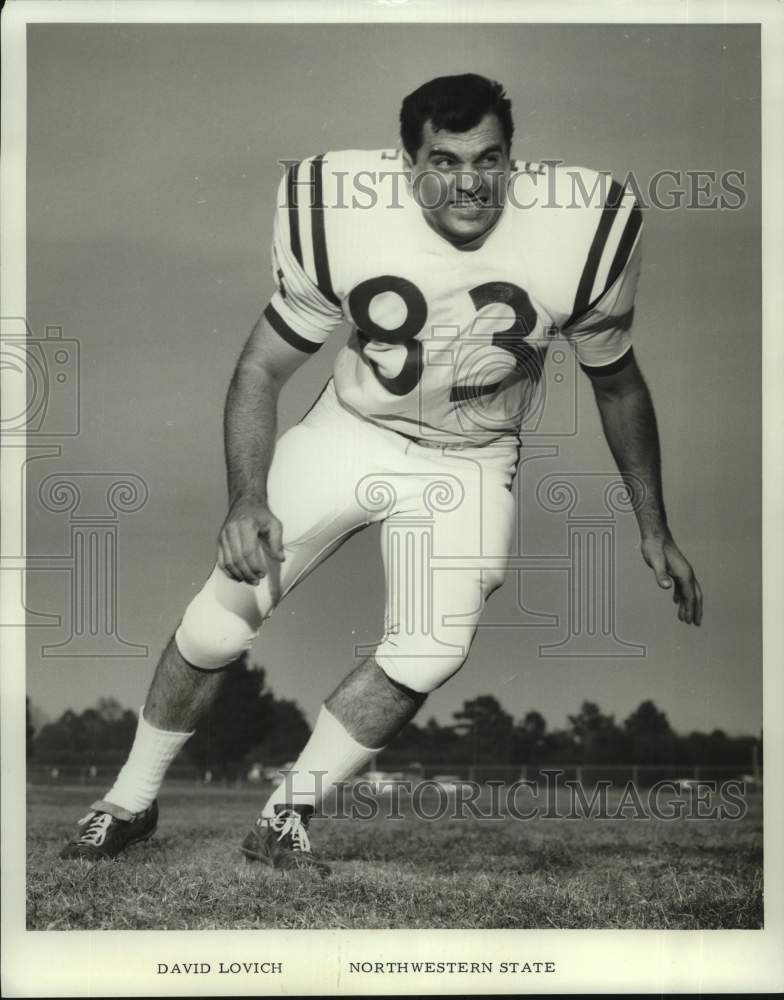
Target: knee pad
(422,661)
(214,632)
(422,671)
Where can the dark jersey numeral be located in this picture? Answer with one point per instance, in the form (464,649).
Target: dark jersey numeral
(416,316)
(528,360)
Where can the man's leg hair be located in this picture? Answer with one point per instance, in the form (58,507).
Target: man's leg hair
(180,692)
(372,706)
(179,695)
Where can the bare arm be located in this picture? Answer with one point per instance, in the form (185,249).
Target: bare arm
(629,424)
(251,534)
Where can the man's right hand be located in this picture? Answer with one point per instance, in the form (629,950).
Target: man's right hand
(250,540)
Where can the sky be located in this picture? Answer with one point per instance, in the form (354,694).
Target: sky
(152,170)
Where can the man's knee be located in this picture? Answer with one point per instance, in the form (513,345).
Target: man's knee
(212,635)
(418,673)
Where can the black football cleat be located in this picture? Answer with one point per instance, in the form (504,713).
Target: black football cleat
(104,835)
(282,842)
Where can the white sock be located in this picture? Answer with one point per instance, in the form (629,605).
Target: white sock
(332,753)
(141,777)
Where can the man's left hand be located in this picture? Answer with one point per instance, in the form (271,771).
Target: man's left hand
(673,571)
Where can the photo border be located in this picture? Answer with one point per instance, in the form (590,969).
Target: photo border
(77,963)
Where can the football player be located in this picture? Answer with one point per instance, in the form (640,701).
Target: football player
(455,268)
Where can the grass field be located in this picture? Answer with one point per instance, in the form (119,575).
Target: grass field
(447,873)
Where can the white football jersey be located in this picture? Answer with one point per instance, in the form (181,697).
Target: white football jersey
(448,344)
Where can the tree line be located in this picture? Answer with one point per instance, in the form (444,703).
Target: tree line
(248,723)
(484,733)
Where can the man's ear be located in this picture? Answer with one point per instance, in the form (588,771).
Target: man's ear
(408,163)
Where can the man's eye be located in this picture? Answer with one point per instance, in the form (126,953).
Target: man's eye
(442,162)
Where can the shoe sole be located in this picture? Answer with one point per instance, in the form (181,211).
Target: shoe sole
(255,856)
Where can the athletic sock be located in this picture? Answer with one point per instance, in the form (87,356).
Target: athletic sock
(330,755)
(142,774)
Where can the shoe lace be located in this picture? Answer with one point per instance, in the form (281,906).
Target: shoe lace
(288,822)
(96,827)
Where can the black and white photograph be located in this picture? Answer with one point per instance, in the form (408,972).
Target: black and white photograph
(390,489)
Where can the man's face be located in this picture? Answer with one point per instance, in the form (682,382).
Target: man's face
(459,179)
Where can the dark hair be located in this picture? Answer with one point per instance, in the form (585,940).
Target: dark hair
(454,103)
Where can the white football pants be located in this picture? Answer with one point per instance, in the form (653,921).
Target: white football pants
(442,511)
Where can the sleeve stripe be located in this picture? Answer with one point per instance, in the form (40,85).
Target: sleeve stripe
(281,327)
(628,239)
(291,197)
(613,367)
(323,277)
(583,297)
